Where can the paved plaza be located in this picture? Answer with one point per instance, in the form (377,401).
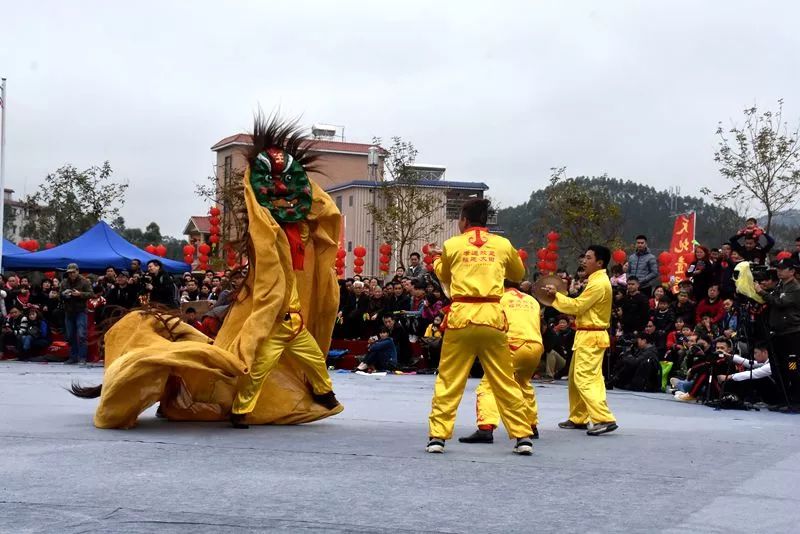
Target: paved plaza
(671,467)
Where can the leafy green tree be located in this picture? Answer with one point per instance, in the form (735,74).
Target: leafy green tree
(761,159)
(404,211)
(70,201)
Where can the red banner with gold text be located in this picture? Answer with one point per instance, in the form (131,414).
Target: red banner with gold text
(682,246)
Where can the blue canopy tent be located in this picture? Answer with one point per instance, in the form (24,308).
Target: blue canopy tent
(94,251)
(10,249)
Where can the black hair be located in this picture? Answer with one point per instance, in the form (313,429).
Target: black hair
(751,219)
(157,262)
(644,335)
(384,330)
(137,260)
(509,283)
(476,211)
(761,345)
(191,310)
(419,284)
(414,254)
(641,236)
(601,253)
(632,278)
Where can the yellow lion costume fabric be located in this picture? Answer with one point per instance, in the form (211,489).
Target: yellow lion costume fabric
(150,358)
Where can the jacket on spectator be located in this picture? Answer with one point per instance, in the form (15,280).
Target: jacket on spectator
(126,297)
(715,308)
(77,303)
(702,273)
(643,265)
(635,312)
(759,254)
(784,307)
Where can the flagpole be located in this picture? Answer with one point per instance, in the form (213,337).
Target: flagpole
(3,103)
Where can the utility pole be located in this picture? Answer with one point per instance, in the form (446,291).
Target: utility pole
(3,105)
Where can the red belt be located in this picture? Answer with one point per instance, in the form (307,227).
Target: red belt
(476,300)
(592,328)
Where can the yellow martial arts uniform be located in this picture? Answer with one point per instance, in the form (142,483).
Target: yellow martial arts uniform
(525,341)
(592,311)
(288,337)
(474,265)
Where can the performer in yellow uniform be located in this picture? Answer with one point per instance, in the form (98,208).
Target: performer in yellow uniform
(592,311)
(474,265)
(525,342)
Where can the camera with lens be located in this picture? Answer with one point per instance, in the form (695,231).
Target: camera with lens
(762,273)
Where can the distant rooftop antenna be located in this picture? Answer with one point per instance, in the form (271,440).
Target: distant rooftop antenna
(674,194)
(327,132)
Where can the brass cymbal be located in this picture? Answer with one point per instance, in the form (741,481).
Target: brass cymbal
(539,292)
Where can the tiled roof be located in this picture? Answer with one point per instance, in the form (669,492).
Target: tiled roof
(436,184)
(201,222)
(318,145)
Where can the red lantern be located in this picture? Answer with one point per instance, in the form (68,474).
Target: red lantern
(341,253)
(426,248)
(48,246)
(161,250)
(429,267)
(214,230)
(214,239)
(386,249)
(427,260)
(541,264)
(665,257)
(203,259)
(189,258)
(384,267)
(359,251)
(150,249)
(551,256)
(551,266)
(553,236)
(619,256)
(358,262)
(552,246)
(339,263)
(541,253)
(50,275)
(523,255)
(203,266)
(665,278)
(188,249)
(357,269)
(204,249)
(783,255)
(34,245)
(384,259)
(213,220)
(214,212)
(665,269)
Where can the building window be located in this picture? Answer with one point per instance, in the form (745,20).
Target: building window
(339,202)
(227,170)
(350,201)
(349,246)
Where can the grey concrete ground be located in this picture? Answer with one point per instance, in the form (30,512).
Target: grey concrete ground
(671,467)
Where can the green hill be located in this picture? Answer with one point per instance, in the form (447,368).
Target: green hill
(644,211)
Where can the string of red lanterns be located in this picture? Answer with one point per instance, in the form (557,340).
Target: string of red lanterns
(385,257)
(339,264)
(548,255)
(359,252)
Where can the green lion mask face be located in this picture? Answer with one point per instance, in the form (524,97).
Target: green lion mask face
(281,185)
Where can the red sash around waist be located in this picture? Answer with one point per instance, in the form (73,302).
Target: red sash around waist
(476,300)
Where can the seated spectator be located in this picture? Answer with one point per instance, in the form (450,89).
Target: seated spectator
(639,368)
(678,348)
(635,309)
(558,340)
(400,337)
(706,327)
(663,316)
(752,243)
(190,318)
(381,354)
(712,305)
(757,379)
(399,301)
(730,320)
(702,365)
(355,312)
(33,335)
(431,342)
(23,300)
(375,310)
(12,326)
(123,294)
(685,308)
(618,277)
(658,294)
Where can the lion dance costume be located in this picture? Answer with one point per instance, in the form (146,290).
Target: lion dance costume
(267,363)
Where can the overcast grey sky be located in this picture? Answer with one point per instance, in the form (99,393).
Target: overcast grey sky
(496,91)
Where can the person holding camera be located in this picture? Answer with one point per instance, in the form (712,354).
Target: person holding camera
(75,292)
(784,318)
(159,284)
(758,371)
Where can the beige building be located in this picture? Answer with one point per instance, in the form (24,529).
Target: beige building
(16,215)
(352,173)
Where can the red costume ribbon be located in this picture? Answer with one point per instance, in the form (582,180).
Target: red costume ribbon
(296,246)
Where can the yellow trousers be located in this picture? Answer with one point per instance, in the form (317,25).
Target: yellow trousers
(459,349)
(587,389)
(526,359)
(302,348)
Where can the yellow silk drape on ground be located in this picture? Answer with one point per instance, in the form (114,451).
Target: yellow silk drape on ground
(196,379)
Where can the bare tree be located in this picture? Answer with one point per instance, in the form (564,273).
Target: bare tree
(404,211)
(762,160)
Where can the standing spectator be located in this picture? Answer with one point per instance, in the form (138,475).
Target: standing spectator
(712,305)
(136,267)
(355,311)
(643,265)
(747,242)
(635,309)
(75,292)
(123,294)
(702,272)
(159,285)
(415,269)
(727,284)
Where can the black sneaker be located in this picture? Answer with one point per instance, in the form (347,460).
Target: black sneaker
(569,425)
(328,400)
(479,436)
(524,446)
(435,446)
(237,420)
(535,431)
(602,428)
(71,361)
